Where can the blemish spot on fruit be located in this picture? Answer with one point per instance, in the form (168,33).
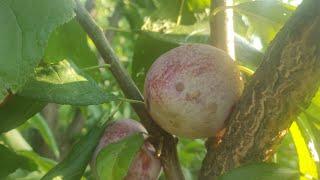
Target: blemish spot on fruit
(213,107)
(193,96)
(174,123)
(179,86)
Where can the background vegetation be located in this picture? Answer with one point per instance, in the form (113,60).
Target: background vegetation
(59,90)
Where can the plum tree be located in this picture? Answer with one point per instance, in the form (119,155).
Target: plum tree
(191,90)
(145,165)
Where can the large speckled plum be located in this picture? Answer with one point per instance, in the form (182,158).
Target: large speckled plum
(191,90)
(145,166)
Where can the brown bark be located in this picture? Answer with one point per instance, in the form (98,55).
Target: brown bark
(218,25)
(288,77)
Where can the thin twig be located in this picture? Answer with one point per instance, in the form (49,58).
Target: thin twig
(180,12)
(95,67)
(169,157)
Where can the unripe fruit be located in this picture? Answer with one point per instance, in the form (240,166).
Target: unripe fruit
(145,165)
(191,90)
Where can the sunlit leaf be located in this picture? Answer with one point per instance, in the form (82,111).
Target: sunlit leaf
(70,42)
(198,5)
(24,32)
(64,83)
(306,163)
(16,141)
(312,137)
(265,17)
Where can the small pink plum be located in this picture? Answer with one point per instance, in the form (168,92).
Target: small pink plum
(145,165)
(190,90)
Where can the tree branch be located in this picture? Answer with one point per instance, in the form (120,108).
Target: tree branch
(160,138)
(287,78)
(218,25)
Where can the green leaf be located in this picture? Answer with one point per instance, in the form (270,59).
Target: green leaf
(191,153)
(265,17)
(39,123)
(286,155)
(25,29)
(114,160)
(64,83)
(198,5)
(261,171)
(44,164)
(312,138)
(10,161)
(169,10)
(307,164)
(21,174)
(17,110)
(74,165)
(70,42)
(16,141)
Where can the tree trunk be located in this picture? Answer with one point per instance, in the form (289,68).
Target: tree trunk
(287,78)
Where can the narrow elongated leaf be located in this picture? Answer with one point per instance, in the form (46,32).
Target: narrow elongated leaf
(306,163)
(21,174)
(25,29)
(16,141)
(17,110)
(114,160)
(73,166)
(44,164)
(312,137)
(261,171)
(10,161)
(64,83)
(39,123)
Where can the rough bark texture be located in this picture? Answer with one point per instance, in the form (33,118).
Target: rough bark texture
(288,77)
(159,137)
(218,25)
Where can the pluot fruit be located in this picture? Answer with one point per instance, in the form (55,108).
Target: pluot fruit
(145,165)
(190,90)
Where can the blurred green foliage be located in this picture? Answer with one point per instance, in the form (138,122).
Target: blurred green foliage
(141,30)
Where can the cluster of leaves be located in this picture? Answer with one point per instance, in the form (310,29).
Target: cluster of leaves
(46,57)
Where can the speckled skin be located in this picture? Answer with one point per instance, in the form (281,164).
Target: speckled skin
(191,89)
(145,166)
